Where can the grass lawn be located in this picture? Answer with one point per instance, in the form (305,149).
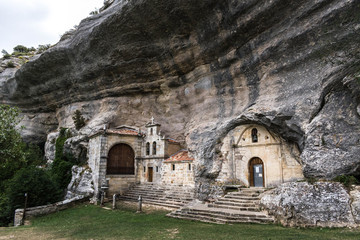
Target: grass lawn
(93,222)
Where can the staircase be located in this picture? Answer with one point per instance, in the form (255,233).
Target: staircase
(234,207)
(168,196)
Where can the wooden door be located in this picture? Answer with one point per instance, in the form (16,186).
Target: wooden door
(256,172)
(150,174)
(121,160)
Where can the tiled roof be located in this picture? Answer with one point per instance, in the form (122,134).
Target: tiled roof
(172,140)
(123,131)
(182,155)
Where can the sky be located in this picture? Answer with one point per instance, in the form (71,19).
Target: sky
(34,22)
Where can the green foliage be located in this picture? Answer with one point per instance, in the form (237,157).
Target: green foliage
(10,64)
(6,55)
(21,48)
(36,183)
(12,156)
(78,119)
(346,180)
(61,167)
(311,180)
(43,48)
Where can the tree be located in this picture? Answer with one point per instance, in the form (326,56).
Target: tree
(21,48)
(12,156)
(79,120)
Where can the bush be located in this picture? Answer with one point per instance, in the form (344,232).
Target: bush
(43,48)
(21,48)
(346,180)
(36,183)
(78,119)
(10,64)
(61,167)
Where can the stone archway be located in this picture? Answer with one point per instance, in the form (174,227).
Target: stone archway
(121,160)
(256,172)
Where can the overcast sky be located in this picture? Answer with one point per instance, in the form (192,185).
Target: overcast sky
(34,22)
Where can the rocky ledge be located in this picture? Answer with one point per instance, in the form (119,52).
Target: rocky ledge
(204,67)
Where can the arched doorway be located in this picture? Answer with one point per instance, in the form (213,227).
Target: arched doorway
(121,160)
(256,172)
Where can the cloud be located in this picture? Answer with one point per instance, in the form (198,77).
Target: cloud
(35,22)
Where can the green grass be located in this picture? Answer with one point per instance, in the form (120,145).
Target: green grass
(93,222)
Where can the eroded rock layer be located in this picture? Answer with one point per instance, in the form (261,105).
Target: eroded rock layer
(203,68)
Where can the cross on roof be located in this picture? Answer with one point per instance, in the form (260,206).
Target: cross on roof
(152,120)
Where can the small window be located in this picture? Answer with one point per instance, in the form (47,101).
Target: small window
(173,167)
(157,169)
(254,135)
(154,148)
(151,131)
(189,167)
(144,169)
(147,148)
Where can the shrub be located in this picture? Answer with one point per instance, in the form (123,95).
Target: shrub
(6,55)
(21,48)
(43,48)
(346,180)
(79,120)
(61,167)
(36,183)
(10,64)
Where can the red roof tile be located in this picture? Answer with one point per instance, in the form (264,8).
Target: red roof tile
(172,140)
(182,155)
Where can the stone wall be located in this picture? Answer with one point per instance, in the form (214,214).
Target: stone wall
(45,209)
(178,173)
(143,169)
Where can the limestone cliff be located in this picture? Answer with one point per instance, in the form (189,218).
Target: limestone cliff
(203,68)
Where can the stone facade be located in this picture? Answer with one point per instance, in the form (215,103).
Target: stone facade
(178,169)
(149,149)
(246,143)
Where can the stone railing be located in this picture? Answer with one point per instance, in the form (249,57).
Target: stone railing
(45,209)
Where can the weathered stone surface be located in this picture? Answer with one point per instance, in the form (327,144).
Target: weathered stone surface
(50,147)
(81,183)
(355,203)
(325,204)
(205,67)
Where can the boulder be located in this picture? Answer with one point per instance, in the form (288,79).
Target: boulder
(322,204)
(81,183)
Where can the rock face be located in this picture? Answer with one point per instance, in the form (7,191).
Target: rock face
(202,68)
(355,204)
(81,183)
(321,204)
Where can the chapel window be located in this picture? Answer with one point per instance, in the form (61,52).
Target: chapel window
(254,135)
(173,167)
(157,169)
(154,148)
(147,148)
(189,167)
(151,131)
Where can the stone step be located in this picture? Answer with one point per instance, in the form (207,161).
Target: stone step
(235,200)
(240,197)
(220,217)
(136,192)
(173,205)
(135,198)
(237,204)
(149,194)
(239,208)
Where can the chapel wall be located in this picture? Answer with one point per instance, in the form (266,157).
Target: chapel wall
(279,159)
(182,175)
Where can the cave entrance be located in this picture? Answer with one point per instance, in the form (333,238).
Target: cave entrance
(256,170)
(121,160)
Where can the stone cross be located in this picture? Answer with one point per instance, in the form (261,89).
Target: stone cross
(152,120)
